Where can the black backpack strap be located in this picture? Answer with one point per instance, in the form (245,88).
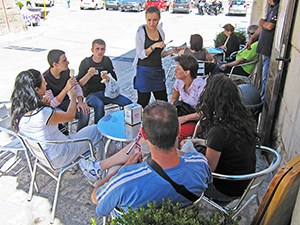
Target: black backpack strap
(181,189)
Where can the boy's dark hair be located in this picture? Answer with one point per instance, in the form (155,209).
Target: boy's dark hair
(54,55)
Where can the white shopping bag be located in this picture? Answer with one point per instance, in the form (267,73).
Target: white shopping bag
(112,89)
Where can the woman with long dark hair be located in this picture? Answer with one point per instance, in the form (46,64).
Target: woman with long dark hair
(32,116)
(230,133)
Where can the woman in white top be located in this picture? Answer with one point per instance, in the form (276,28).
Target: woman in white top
(32,116)
(187,88)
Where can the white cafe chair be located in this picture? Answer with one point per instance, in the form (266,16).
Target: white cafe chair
(10,143)
(41,161)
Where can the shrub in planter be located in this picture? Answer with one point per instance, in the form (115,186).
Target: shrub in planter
(221,37)
(171,214)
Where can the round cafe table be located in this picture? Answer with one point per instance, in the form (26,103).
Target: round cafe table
(113,127)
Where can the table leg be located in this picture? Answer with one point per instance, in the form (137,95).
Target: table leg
(106,148)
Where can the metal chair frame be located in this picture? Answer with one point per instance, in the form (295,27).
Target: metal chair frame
(41,160)
(15,145)
(236,76)
(256,179)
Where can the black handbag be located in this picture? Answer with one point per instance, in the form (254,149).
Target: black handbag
(183,108)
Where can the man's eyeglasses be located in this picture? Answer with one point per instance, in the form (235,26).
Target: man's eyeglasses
(251,33)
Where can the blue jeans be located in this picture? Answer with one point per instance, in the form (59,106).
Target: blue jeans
(265,74)
(97,100)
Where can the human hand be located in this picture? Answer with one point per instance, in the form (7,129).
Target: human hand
(134,158)
(160,44)
(91,71)
(84,107)
(248,45)
(261,22)
(70,84)
(223,67)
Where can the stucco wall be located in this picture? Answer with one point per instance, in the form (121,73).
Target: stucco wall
(288,121)
(11,20)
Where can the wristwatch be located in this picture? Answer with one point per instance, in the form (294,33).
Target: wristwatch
(151,48)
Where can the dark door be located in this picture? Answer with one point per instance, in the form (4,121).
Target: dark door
(278,66)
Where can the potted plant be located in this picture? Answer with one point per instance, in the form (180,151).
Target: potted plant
(172,214)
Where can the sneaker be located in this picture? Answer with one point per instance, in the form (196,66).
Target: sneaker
(89,170)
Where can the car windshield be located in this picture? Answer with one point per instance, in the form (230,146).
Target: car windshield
(238,2)
(181,1)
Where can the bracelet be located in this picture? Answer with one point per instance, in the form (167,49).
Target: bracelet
(151,48)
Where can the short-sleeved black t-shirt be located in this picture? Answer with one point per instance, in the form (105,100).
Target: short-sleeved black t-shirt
(57,85)
(266,36)
(232,161)
(94,84)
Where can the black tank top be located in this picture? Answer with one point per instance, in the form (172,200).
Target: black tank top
(200,55)
(154,59)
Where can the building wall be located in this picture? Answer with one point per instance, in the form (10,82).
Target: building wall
(287,124)
(288,121)
(11,20)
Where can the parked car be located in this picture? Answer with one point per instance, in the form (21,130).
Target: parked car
(112,4)
(133,5)
(48,3)
(237,7)
(161,4)
(91,4)
(181,6)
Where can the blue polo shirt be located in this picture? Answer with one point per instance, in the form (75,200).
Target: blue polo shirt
(135,185)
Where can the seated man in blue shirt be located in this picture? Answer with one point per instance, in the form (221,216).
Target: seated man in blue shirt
(136,183)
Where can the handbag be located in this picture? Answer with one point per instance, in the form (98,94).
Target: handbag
(183,108)
(112,89)
(181,189)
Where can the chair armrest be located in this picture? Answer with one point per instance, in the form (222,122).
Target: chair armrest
(242,64)
(91,146)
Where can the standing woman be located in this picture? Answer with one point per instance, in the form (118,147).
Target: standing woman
(32,116)
(150,76)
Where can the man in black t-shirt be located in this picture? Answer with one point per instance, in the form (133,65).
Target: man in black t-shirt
(90,79)
(59,83)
